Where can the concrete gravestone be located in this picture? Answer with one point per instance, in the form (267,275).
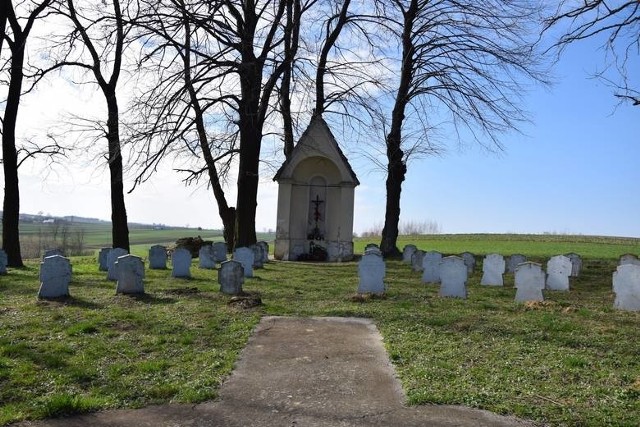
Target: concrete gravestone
(112,257)
(130,272)
(181,263)
(470,261)
(157,257)
(626,285)
(529,282)
(52,252)
(265,251)
(245,257)
(492,270)
(55,275)
(407,253)
(206,257)
(629,259)
(220,251)
(371,271)
(453,277)
(513,261)
(373,249)
(416,260)
(576,264)
(431,267)
(103,257)
(258,256)
(3,262)
(231,277)
(558,271)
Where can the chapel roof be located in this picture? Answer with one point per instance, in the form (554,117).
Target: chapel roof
(308,146)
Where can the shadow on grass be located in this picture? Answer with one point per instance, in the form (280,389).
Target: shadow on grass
(69,301)
(148,298)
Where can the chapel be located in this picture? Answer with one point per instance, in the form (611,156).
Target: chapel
(316,187)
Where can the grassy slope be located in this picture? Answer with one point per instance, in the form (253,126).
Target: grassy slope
(573,360)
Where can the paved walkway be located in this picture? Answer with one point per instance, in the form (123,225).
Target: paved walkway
(302,372)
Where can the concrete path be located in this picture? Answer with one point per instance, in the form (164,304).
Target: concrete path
(302,372)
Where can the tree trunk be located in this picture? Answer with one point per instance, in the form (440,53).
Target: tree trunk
(120,228)
(11,204)
(250,127)
(396,171)
(396,166)
(247,184)
(285,87)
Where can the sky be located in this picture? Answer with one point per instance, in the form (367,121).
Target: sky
(575,169)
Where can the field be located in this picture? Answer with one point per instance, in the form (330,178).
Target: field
(571,360)
(99,235)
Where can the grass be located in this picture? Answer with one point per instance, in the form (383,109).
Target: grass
(572,360)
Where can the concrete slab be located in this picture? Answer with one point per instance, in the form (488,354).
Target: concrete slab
(302,372)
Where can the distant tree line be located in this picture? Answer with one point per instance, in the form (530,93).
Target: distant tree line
(207,81)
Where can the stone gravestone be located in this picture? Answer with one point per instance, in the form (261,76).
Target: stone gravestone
(220,251)
(258,256)
(492,270)
(529,282)
(265,251)
(231,277)
(52,252)
(207,257)
(245,257)
(407,253)
(371,271)
(431,267)
(558,271)
(113,256)
(371,245)
(513,261)
(626,286)
(416,260)
(576,263)
(181,263)
(373,250)
(130,272)
(157,257)
(55,275)
(470,261)
(3,262)
(103,257)
(629,259)
(453,277)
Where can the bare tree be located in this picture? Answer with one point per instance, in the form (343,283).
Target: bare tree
(460,59)
(617,21)
(96,44)
(250,47)
(20,20)
(179,101)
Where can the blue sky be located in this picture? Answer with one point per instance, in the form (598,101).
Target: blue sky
(575,170)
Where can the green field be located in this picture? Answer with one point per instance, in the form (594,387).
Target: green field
(99,235)
(572,360)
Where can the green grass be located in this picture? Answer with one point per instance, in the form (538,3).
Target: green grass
(570,361)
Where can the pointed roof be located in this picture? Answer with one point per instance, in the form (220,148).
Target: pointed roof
(317,140)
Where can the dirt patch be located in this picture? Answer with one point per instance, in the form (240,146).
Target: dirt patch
(246,301)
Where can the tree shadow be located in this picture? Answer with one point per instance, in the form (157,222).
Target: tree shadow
(70,301)
(148,298)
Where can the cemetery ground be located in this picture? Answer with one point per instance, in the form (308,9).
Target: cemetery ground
(571,360)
